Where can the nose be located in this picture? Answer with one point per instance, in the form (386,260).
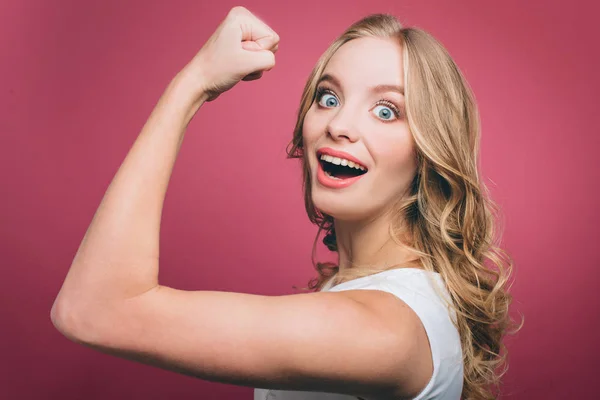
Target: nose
(342,124)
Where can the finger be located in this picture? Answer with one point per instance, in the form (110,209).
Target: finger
(263,60)
(247,45)
(267,42)
(257,31)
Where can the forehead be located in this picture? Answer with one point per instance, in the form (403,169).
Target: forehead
(368,61)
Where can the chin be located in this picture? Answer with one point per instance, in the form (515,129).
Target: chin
(341,209)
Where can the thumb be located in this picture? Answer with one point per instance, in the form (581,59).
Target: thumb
(267,42)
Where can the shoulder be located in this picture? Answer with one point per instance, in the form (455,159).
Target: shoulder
(415,304)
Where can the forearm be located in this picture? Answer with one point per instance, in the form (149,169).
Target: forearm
(118,257)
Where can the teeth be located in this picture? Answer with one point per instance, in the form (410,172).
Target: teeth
(331,176)
(341,161)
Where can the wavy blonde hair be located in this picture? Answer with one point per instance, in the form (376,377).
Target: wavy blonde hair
(447,214)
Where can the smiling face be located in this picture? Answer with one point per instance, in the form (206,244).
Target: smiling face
(349,115)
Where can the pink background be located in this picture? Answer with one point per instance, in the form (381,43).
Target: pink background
(80,78)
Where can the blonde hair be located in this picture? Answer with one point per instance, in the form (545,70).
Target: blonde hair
(447,214)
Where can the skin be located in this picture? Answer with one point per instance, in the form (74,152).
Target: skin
(353,119)
(111,299)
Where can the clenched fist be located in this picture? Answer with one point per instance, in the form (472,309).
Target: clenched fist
(241,48)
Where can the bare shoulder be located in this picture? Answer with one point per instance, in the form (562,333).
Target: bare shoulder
(365,343)
(416,365)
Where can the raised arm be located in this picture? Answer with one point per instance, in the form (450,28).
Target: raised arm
(362,342)
(118,256)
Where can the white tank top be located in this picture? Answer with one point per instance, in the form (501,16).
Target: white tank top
(416,288)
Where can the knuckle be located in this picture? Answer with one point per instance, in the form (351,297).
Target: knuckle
(238,10)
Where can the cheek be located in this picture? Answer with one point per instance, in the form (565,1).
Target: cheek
(398,156)
(309,129)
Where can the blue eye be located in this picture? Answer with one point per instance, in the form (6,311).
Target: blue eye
(389,109)
(385,113)
(321,93)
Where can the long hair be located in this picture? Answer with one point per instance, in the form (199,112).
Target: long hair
(447,213)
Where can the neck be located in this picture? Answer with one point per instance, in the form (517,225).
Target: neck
(369,245)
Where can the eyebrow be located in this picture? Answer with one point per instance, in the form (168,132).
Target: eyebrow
(376,88)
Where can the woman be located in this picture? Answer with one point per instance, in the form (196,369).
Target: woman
(388,137)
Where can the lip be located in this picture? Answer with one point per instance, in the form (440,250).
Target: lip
(329,182)
(340,154)
(326,181)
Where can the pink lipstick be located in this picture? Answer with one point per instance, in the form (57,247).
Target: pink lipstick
(340,154)
(325,179)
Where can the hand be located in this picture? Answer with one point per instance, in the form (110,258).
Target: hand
(241,48)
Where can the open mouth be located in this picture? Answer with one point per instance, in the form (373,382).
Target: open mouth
(337,168)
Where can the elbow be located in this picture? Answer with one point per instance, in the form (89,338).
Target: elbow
(71,324)
(63,321)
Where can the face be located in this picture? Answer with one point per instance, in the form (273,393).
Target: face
(369,125)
